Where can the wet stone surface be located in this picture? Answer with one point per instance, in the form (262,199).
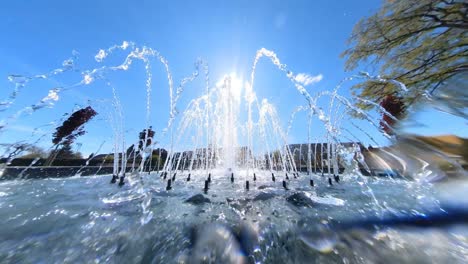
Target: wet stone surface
(198,199)
(299,199)
(264,196)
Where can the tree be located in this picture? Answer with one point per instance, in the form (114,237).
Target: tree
(17,150)
(66,152)
(65,135)
(73,126)
(34,152)
(422,44)
(145,135)
(162,153)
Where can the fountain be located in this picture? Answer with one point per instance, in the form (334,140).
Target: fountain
(231,187)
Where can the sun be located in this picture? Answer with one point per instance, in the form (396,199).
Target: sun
(236,85)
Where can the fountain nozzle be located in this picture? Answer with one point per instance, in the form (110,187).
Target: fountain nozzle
(121,182)
(206,186)
(169,183)
(114,178)
(337,178)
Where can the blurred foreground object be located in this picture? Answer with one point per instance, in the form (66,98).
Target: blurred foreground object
(422,44)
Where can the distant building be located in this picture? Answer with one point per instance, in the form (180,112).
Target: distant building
(319,154)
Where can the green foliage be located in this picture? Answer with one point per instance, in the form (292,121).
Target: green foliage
(23,150)
(155,159)
(65,152)
(108,159)
(422,44)
(34,152)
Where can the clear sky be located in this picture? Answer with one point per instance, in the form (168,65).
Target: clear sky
(38,36)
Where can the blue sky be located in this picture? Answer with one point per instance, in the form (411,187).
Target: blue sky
(38,36)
